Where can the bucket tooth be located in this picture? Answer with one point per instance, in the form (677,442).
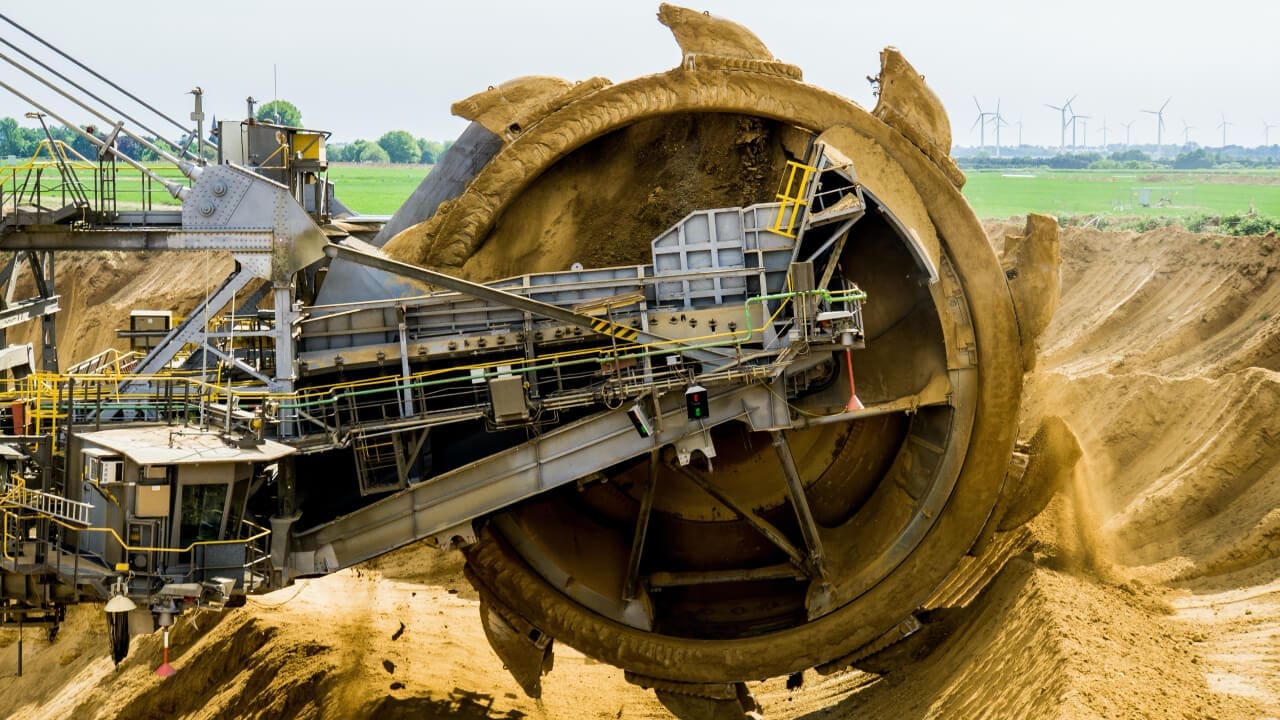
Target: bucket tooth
(702,701)
(1031,263)
(525,650)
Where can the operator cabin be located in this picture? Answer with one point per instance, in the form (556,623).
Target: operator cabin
(168,486)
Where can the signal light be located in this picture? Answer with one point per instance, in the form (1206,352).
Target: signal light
(695,401)
(640,420)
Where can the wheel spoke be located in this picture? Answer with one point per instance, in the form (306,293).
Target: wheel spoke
(795,491)
(764,527)
(937,392)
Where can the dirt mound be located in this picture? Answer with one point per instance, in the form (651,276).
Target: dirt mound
(1167,302)
(1038,643)
(399,638)
(1163,359)
(99,289)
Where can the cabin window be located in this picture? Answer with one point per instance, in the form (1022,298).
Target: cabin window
(202,508)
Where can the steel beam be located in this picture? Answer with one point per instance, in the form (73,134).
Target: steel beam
(795,491)
(553,459)
(19,313)
(762,526)
(781,571)
(138,239)
(509,299)
(630,586)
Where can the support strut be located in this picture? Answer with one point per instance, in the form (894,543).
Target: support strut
(629,587)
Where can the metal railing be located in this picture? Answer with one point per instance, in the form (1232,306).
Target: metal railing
(255,540)
(16,494)
(111,362)
(40,185)
(339,411)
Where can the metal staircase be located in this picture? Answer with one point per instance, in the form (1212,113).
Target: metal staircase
(378,462)
(192,329)
(15,493)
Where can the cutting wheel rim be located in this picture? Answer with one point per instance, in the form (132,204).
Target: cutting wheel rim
(978,458)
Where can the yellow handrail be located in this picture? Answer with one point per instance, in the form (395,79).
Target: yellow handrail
(7,514)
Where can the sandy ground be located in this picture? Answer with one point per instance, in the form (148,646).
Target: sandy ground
(1150,587)
(93,297)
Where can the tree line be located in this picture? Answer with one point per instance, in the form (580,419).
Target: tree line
(21,142)
(396,146)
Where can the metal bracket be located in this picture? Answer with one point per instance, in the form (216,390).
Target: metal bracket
(698,441)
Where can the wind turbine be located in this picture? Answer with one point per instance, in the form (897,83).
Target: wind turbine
(1104,132)
(1019,124)
(1159,120)
(1186,132)
(1266,132)
(1074,118)
(1063,109)
(998,120)
(1223,126)
(1127,127)
(981,124)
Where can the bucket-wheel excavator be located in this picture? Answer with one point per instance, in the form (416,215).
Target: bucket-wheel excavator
(712,374)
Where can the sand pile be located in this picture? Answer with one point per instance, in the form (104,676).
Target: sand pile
(656,169)
(99,289)
(1147,589)
(396,638)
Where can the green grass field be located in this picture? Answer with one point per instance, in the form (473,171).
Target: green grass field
(993,194)
(1143,193)
(376,190)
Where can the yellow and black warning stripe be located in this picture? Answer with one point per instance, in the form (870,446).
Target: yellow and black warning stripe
(622,332)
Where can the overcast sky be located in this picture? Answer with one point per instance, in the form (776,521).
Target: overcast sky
(361,68)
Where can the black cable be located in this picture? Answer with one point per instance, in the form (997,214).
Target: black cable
(94,73)
(88,92)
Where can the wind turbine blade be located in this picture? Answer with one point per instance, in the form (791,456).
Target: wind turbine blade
(978,104)
(1166,103)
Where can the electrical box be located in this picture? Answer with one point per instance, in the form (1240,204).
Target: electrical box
(141,534)
(508,398)
(102,466)
(640,421)
(155,473)
(152,500)
(307,145)
(802,277)
(147,328)
(112,472)
(231,142)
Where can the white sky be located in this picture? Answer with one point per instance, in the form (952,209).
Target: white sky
(361,68)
